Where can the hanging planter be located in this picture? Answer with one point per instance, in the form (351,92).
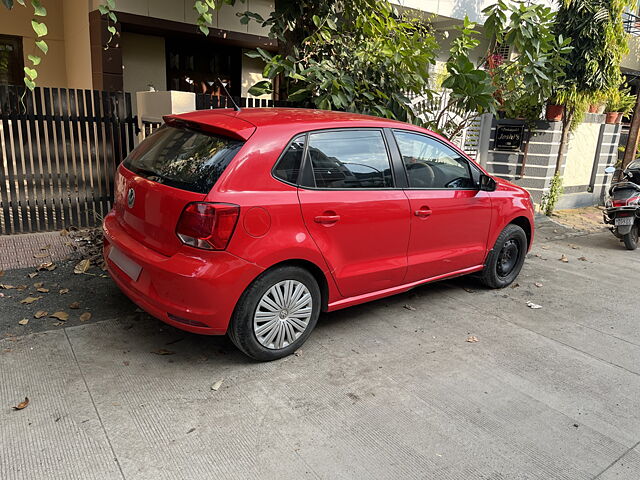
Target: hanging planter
(554,113)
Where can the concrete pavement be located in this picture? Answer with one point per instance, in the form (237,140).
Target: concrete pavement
(379,390)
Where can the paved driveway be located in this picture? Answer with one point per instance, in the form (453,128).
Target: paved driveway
(391,389)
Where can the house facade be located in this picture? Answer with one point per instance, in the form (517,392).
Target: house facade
(159,46)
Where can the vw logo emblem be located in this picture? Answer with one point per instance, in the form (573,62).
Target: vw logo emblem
(131,197)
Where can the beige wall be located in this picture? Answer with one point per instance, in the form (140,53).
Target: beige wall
(52,70)
(251,73)
(77,45)
(582,151)
(143,62)
(182,11)
(632,59)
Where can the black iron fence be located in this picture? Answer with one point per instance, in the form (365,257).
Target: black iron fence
(59,149)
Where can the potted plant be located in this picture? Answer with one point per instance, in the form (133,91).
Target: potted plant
(619,103)
(554,110)
(597,102)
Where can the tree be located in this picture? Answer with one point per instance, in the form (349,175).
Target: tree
(360,56)
(593,65)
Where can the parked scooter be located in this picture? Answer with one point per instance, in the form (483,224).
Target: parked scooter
(623,205)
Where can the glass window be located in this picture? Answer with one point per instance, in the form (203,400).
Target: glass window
(288,166)
(350,159)
(430,164)
(183,158)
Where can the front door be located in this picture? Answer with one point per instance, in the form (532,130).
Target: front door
(450,215)
(356,217)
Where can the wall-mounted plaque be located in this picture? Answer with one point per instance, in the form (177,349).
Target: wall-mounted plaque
(509,137)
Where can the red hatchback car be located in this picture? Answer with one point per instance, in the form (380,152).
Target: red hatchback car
(253,222)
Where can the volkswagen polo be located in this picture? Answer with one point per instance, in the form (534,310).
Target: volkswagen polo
(250,223)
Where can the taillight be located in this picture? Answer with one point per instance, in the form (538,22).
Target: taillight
(207,225)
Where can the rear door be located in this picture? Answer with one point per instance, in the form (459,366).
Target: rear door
(450,215)
(171,168)
(351,208)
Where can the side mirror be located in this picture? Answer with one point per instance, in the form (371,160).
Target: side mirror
(487,183)
(610,169)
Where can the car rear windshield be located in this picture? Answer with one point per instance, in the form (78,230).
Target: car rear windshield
(183,158)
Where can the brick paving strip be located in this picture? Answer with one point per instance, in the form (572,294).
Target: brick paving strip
(32,249)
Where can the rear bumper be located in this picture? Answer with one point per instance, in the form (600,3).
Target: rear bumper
(193,290)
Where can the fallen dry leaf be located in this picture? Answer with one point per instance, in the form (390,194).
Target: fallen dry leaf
(46,266)
(74,305)
(409,307)
(582,259)
(32,275)
(64,233)
(64,316)
(538,284)
(515,285)
(564,259)
(63,291)
(472,339)
(57,324)
(6,287)
(46,247)
(83,266)
(24,321)
(22,405)
(38,284)
(534,306)
(545,247)
(85,316)
(43,290)
(40,314)
(21,287)
(163,351)
(468,290)
(216,386)
(29,300)
(41,255)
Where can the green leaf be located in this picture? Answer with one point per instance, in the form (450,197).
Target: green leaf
(38,9)
(298,95)
(31,73)
(316,20)
(42,45)
(8,4)
(29,83)
(39,28)
(35,60)
(261,88)
(103,10)
(111,29)
(204,29)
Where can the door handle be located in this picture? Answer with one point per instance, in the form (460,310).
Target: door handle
(327,219)
(423,212)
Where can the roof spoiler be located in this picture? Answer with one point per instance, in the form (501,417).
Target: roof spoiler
(224,125)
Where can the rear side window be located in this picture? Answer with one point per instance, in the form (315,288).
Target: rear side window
(288,167)
(347,159)
(183,158)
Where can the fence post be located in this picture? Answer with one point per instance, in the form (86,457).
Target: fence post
(484,138)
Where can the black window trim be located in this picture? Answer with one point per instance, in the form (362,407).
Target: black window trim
(470,164)
(283,153)
(306,164)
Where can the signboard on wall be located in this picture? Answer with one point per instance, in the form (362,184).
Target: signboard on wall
(509,137)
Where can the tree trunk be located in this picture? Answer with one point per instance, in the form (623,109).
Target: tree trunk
(564,139)
(634,135)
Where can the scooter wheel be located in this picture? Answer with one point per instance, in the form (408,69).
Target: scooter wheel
(631,238)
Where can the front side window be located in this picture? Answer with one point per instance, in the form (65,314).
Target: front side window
(431,164)
(288,167)
(183,158)
(348,159)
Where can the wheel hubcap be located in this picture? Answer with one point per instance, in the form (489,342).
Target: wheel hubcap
(283,314)
(508,257)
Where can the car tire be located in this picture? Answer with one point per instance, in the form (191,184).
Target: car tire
(505,259)
(631,238)
(274,292)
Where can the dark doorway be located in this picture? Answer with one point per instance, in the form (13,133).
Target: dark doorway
(11,60)
(195,65)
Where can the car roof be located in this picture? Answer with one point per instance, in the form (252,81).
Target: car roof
(290,119)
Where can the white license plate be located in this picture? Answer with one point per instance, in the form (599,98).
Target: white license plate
(625,220)
(124,263)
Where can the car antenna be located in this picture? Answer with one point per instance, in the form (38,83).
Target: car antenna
(224,87)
